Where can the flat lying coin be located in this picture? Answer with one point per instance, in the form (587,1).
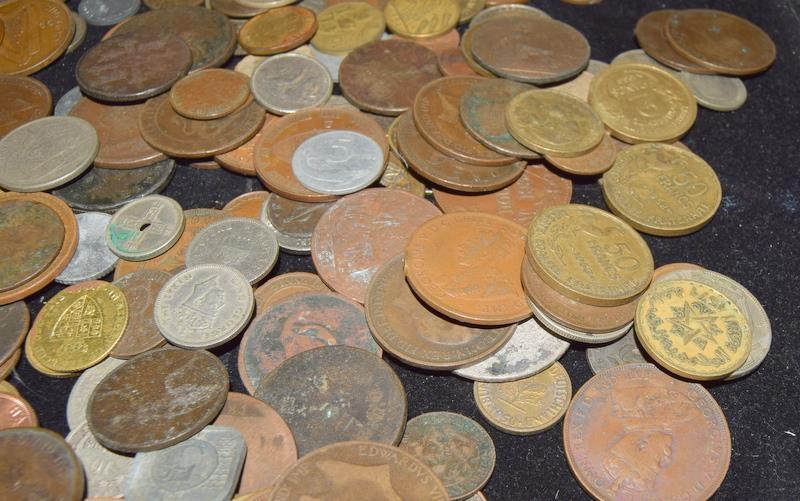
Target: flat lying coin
(641,57)
(650,33)
(105,470)
(140,289)
(716,92)
(347,26)
(286,83)
(16,412)
(82,390)
(107,12)
(624,350)
(420,19)
(145,228)
(93,259)
(208,94)
(500,9)
(278,288)
(277,30)
(39,31)
(292,222)
(22,100)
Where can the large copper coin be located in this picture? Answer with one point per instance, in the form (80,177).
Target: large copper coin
(38,464)
(384,76)
(632,431)
(37,33)
(211,93)
(121,143)
(157,399)
(361,232)
(537,189)
(284,286)
(335,394)
(408,329)
(650,33)
(22,100)
(273,154)
(278,30)
(16,412)
(140,289)
(241,160)
(133,66)
(14,322)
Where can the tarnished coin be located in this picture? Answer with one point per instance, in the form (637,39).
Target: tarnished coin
(105,470)
(277,30)
(397,176)
(93,259)
(572,334)
(15,412)
(38,32)
(22,99)
(286,83)
(247,205)
(244,244)
(347,26)
(14,322)
(650,32)
(107,12)
(80,32)
(455,447)
(140,289)
(284,286)
(596,161)
(716,92)
(145,228)
(624,350)
(633,429)
(78,400)
(511,9)
(451,63)
(335,394)
(241,159)
(208,94)
(292,222)
(438,44)
(421,19)
(469,59)
(204,306)
(206,466)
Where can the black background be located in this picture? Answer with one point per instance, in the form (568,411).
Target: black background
(753,239)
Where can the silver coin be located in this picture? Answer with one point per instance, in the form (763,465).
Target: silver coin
(576,335)
(145,228)
(338,162)
(716,92)
(107,12)
(92,259)
(46,153)
(292,222)
(529,351)
(105,470)
(204,467)
(80,32)
(596,66)
(67,102)
(244,244)
(287,83)
(249,63)
(329,61)
(639,56)
(83,388)
(515,9)
(624,350)
(204,306)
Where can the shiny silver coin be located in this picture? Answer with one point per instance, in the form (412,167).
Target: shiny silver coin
(624,350)
(67,102)
(107,12)
(576,335)
(92,259)
(287,83)
(716,92)
(145,228)
(83,388)
(105,470)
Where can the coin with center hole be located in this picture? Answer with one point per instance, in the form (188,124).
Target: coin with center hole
(145,228)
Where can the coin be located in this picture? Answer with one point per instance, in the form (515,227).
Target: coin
(208,94)
(107,12)
(140,289)
(451,62)
(105,470)
(595,66)
(145,228)
(22,99)
(511,9)
(6,387)
(650,33)
(716,92)
(278,30)
(455,447)
(231,8)
(39,31)
(83,388)
(397,176)
(469,59)
(439,43)
(14,322)
(329,61)
(292,222)
(641,57)
(160,4)
(287,83)
(624,350)
(348,471)
(247,204)
(80,32)
(596,161)
(469,8)
(578,86)
(15,412)
(46,153)
(276,289)
(9,365)
(632,428)
(240,160)
(420,19)
(347,26)
(93,259)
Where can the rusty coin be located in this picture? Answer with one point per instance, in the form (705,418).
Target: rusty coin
(293,222)
(210,93)
(241,160)
(247,205)
(593,163)
(278,288)
(278,30)
(22,100)
(14,322)
(650,33)
(451,63)
(38,32)
(16,412)
(140,289)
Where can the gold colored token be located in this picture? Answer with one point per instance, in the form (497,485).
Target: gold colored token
(553,123)
(422,18)
(346,26)
(78,327)
(662,189)
(640,103)
(589,255)
(6,387)
(693,330)
(38,365)
(527,406)
(469,8)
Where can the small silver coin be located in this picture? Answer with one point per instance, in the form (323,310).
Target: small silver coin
(204,467)
(80,32)
(107,12)
(292,222)
(145,228)
(515,9)
(67,102)
(529,351)
(639,56)
(716,92)
(624,350)
(93,259)
(329,61)
(596,66)
(244,244)
(204,306)
(46,153)
(576,335)
(83,388)
(338,162)
(105,470)
(287,83)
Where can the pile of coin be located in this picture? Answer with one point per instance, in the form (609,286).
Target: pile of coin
(470,258)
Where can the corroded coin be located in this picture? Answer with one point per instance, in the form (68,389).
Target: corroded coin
(716,92)
(107,12)
(247,204)
(93,259)
(287,83)
(145,228)
(347,26)
(398,177)
(208,94)
(421,19)
(284,286)
(293,222)
(105,470)
(651,35)
(14,322)
(335,394)
(140,289)
(16,412)
(22,99)
(624,350)
(38,32)
(278,30)
(596,161)
(78,400)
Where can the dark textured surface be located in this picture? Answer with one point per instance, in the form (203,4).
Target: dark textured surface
(752,239)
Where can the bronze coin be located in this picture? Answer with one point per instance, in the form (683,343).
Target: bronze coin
(22,100)
(448,172)
(8,366)
(205,164)
(535,190)
(436,115)
(38,32)
(451,63)
(140,289)
(241,160)
(38,464)
(594,163)
(278,30)
(14,322)
(273,154)
(361,232)
(292,221)
(157,399)
(437,44)
(117,126)
(208,94)
(278,288)
(133,66)
(466,51)
(299,323)
(650,33)
(179,136)
(632,429)
(335,394)
(247,205)
(384,76)
(16,412)
(270,444)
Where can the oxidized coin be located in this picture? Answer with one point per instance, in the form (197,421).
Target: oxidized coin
(410,331)
(83,388)
(420,18)
(105,470)
(451,62)
(467,266)
(716,92)
(526,406)
(247,205)
(277,30)
(93,259)
(361,232)
(107,12)
(286,83)
(204,306)
(469,59)
(650,33)
(140,289)
(633,430)
(22,99)
(398,177)
(295,325)
(14,322)
(347,26)
(292,222)
(596,161)
(278,288)
(241,160)
(15,412)
(38,32)
(157,399)
(624,350)
(455,447)
(208,94)
(145,228)
(244,244)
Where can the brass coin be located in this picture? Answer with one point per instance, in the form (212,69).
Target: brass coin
(596,161)
(347,26)
(140,289)
(35,362)
(39,31)
(6,387)
(22,99)
(422,18)
(208,94)
(278,30)
(650,32)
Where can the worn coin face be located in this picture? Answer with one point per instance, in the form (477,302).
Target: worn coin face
(208,94)
(107,12)
(596,161)
(624,350)
(420,19)
(145,228)
(93,259)
(292,222)
(140,289)
(15,412)
(82,390)
(284,286)
(347,26)
(650,32)
(451,63)
(277,30)
(632,430)
(286,83)
(105,470)
(247,204)
(26,52)
(22,100)
(14,323)
(716,92)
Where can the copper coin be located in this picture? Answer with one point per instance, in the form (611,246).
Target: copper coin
(594,163)
(38,464)
(293,222)
(273,154)
(133,66)
(241,160)
(179,136)
(140,289)
(247,205)
(452,63)
(8,366)
(436,115)
(38,32)
(22,100)
(467,266)
(14,322)
(530,49)
(650,33)
(299,323)
(208,94)
(439,43)
(411,331)
(278,30)
(270,444)
(15,412)
(632,430)
(537,189)
(335,394)
(361,232)
(278,288)
(157,399)
(121,143)
(466,51)
(205,164)
(384,76)
(448,172)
